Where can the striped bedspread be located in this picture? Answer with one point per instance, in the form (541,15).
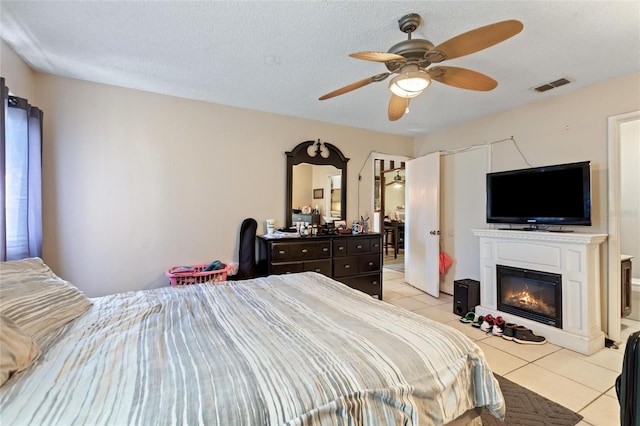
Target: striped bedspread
(296,349)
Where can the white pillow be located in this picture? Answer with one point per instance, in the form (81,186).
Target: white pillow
(36,299)
(17,350)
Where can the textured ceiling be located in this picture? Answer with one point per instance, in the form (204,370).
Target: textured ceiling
(281,56)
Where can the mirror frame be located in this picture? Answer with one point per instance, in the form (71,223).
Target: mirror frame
(300,154)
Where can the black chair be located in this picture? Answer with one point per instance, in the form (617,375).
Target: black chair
(628,383)
(247,255)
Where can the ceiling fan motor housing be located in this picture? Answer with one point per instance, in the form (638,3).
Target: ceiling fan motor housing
(413,50)
(408,23)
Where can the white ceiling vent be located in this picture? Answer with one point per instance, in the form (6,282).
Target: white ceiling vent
(552,85)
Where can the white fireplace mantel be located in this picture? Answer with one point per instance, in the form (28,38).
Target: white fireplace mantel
(575,256)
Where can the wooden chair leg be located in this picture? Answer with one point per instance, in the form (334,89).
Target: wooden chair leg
(395,246)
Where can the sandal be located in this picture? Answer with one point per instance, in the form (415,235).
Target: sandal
(478,322)
(470,317)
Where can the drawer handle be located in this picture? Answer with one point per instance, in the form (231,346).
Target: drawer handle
(374,282)
(325,249)
(370,263)
(281,252)
(358,246)
(347,266)
(317,269)
(304,250)
(376,245)
(341,248)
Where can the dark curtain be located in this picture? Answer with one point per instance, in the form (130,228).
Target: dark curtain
(20,178)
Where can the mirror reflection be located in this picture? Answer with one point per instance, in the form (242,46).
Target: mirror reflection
(317,191)
(316,184)
(394,195)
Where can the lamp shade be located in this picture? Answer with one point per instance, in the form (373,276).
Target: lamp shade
(410,82)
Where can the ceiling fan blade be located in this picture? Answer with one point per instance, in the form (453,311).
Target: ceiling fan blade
(462,78)
(378,56)
(354,86)
(474,40)
(397,107)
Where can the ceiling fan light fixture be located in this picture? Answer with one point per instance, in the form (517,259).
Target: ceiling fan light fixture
(397,180)
(410,82)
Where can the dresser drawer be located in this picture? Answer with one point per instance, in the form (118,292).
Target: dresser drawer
(369,263)
(364,245)
(300,251)
(324,250)
(359,246)
(340,247)
(286,268)
(375,245)
(345,266)
(321,266)
(370,284)
(356,246)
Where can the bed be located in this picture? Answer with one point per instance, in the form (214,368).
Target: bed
(299,349)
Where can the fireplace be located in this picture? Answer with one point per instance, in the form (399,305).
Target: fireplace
(575,256)
(534,295)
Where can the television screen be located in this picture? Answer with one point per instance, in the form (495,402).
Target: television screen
(551,195)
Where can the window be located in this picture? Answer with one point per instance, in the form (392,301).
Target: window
(20,178)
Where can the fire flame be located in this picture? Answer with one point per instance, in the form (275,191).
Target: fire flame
(528,300)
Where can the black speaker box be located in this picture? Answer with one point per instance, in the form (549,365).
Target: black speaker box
(466,296)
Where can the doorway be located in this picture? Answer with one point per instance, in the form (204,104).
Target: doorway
(623,135)
(388,207)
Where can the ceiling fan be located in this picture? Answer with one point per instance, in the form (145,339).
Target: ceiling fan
(410,60)
(397,180)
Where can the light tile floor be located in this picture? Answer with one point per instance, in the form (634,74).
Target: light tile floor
(584,384)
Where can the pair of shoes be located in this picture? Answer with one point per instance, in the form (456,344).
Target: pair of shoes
(498,326)
(469,318)
(525,336)
(509,331)
(478,322)
(487,323)
(493,325)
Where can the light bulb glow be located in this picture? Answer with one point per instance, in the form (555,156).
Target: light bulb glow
(410,82)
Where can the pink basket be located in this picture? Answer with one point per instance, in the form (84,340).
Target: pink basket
(197,275)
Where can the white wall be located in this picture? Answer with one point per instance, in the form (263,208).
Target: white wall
(135,182)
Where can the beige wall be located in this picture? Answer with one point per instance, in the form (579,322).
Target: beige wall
(20,78)
(566,128)
(135,182)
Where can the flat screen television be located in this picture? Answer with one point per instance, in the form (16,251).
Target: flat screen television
(550,195)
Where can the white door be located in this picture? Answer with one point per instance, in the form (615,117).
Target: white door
(422,223)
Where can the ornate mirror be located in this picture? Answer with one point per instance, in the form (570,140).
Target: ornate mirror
(316,182)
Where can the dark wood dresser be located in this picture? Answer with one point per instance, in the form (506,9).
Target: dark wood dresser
(355,260)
